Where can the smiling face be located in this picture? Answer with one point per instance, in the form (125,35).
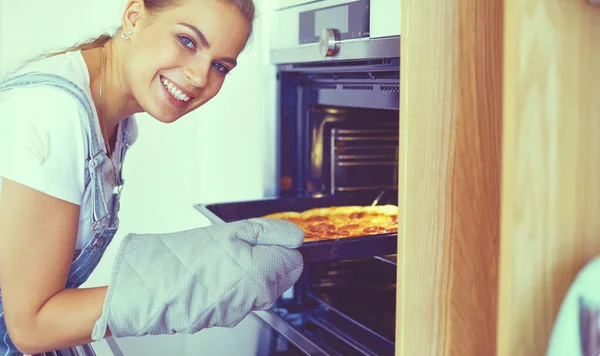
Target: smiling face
(179,57)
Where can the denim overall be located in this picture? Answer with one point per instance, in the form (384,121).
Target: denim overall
(105,221)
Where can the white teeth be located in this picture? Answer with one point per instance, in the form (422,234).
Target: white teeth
(177,94)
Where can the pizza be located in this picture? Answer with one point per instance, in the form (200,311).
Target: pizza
(342,221)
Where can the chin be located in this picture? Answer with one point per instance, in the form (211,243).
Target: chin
(164,112)
(164,118)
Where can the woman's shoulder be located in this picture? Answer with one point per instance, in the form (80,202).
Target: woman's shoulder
(45,104)
(41,116)
(43,141)
(48,103)
(69,66)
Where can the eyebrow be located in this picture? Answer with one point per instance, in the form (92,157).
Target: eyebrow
(205,42)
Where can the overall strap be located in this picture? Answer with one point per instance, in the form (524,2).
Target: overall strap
(96,155)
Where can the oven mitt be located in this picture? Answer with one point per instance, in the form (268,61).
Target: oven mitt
(190,280)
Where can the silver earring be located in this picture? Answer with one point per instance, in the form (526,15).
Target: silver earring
(125,37)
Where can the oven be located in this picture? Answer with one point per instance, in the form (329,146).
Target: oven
(338,142)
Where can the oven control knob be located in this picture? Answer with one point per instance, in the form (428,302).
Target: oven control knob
(328,42)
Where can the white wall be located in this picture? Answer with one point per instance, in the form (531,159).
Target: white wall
(32,27)
(224,151)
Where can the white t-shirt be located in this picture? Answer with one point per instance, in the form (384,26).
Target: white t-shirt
(42,138)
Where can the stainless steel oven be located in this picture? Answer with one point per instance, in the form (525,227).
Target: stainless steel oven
(338,142)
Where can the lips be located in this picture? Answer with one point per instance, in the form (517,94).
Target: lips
(174,94)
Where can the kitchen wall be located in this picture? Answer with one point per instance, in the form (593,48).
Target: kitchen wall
(224,151)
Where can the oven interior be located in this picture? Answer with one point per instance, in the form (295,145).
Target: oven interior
(339,135)
(345,307)
(338,127)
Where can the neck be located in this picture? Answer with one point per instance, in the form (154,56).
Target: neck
(118,102)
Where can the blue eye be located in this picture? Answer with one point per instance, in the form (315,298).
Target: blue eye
(186,41)
(221,68)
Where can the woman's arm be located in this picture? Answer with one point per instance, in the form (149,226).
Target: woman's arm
(37,239)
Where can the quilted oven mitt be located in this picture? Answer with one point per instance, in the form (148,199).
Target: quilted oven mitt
(190,280)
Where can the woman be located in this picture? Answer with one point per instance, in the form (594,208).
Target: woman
(65,126)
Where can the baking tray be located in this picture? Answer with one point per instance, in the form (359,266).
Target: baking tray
(313,251)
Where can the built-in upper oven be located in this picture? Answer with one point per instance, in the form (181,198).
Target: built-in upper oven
(334,29)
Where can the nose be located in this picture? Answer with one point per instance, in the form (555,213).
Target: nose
(197,72)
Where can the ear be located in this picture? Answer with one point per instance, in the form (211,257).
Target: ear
(134,13)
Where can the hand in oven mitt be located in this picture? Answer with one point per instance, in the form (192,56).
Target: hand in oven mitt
(190,280)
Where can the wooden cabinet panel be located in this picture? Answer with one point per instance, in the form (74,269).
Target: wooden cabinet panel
(449,185)
(551,164)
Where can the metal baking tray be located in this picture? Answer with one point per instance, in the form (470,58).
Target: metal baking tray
(313,251)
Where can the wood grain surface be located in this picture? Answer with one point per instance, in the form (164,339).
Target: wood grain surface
(551,164)
(449,185)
